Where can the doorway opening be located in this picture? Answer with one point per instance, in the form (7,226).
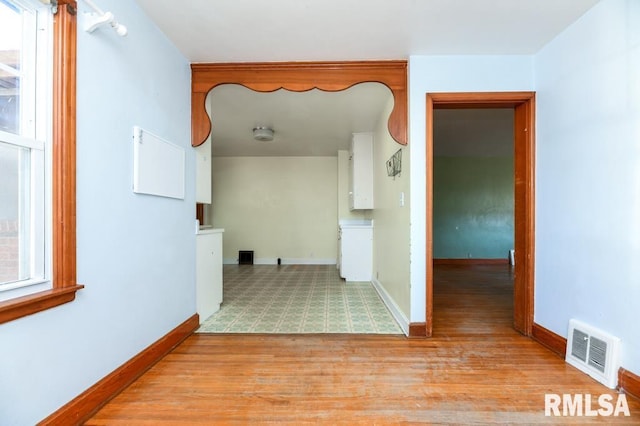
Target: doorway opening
(284,199)
(300,77)
(523,105)
(473,212)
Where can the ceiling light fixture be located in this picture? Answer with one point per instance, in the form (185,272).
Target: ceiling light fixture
(264,134)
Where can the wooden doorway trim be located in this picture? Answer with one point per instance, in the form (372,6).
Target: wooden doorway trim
(523,104)
(298,77)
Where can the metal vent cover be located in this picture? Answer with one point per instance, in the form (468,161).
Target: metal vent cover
(593,352)
(580,345)
(597,353)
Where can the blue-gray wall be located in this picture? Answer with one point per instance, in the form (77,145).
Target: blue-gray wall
(587,185)
(472,207)
(135,253)
(588,176)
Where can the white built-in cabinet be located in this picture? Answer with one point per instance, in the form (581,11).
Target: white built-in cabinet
(208,272)
(361,172)
(356,250)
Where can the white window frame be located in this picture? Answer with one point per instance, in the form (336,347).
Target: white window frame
(35,135)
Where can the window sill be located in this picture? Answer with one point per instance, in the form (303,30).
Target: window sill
(36,302)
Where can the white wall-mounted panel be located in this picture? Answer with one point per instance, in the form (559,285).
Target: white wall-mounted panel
(158,165)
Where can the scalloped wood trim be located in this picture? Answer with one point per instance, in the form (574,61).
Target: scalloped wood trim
(298,77)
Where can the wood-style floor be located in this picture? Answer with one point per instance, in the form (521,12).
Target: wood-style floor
(475,369)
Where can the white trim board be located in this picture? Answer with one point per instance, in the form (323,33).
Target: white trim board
(397,314)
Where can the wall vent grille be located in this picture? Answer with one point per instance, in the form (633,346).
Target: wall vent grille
(593,352)
(580,345)
(245,257)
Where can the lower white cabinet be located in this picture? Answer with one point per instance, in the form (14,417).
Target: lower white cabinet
(356,250)
(208,272)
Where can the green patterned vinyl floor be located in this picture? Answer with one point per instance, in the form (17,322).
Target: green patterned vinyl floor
(297,299)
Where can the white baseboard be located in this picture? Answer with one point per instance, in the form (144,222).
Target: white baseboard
(398,315)
(284,261)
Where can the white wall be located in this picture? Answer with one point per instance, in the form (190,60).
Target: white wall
(135,253)
(588,176)
(279,207)
(447,74)
(391,220)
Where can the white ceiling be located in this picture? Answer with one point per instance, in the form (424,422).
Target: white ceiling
(322,30)
(313,123)
(316,123)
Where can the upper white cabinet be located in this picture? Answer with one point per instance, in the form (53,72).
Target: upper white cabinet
(361,171)
(203,173)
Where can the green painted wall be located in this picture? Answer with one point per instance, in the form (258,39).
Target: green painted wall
(472,207)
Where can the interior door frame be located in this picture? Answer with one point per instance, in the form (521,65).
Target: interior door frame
(523,104)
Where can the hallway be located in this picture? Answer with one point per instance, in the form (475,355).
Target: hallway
(472,300)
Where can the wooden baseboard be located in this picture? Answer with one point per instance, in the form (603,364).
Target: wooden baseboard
(81,408)
(470,262)
(629,382)
(549,340)
(418,329)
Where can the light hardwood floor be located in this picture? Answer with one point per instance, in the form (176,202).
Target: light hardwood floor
(476,369)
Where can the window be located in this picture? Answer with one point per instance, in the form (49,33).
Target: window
(37,156)
(25,141)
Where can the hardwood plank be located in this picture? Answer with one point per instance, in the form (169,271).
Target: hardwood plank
(475,369)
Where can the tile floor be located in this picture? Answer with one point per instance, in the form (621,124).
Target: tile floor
(297,299)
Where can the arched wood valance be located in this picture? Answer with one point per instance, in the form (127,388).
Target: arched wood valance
(298,77)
